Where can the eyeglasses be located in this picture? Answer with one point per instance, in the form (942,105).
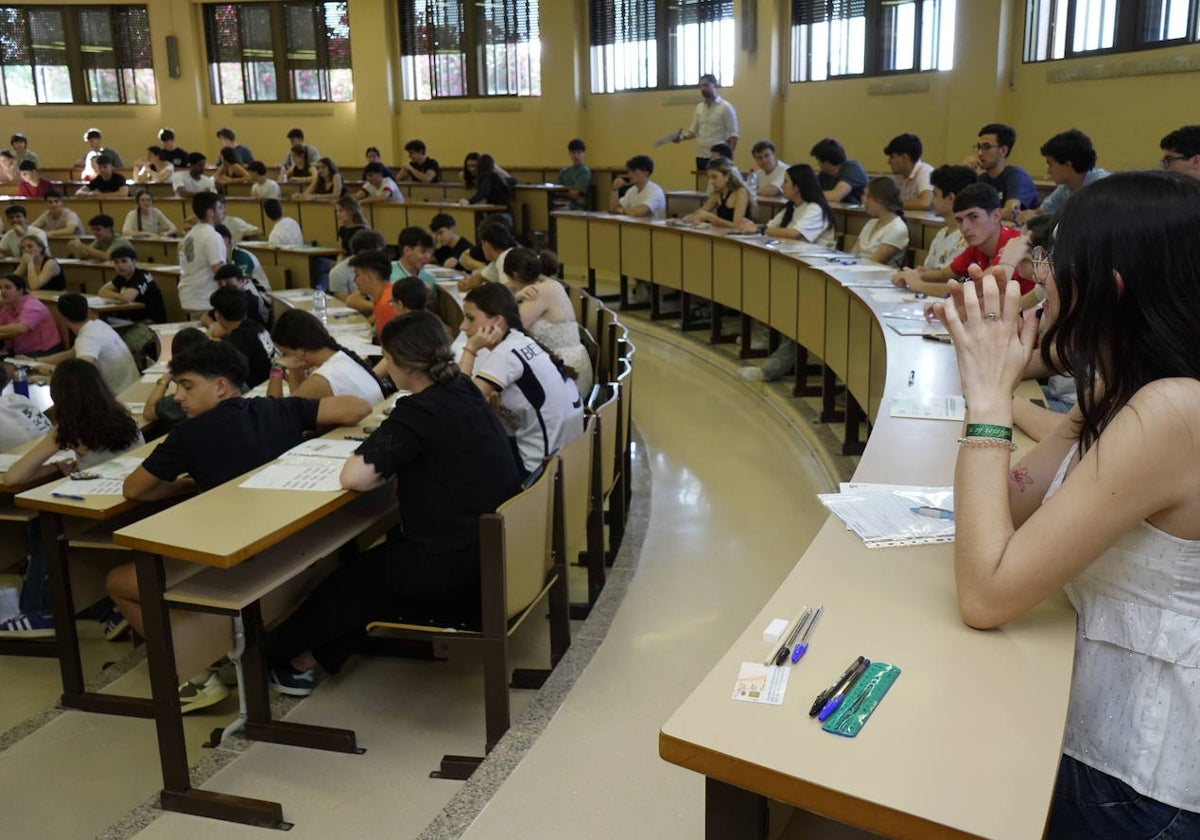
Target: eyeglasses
(985,147)
(1166,160)
(1043,264)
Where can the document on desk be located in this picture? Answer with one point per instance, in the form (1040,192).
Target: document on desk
(6,462)
(883,514)
(292,294)
(893,295)
(324,448)
(109,481)
(904,326)
(930,406)
(758,683)
(298,472)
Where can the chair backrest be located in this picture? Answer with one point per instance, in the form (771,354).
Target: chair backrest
(593,349)
(605,407)
(280,277)
(448,309)
(575,465)
(527,551)
(625,379)
(605,318)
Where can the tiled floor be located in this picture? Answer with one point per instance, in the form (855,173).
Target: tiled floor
(732,506)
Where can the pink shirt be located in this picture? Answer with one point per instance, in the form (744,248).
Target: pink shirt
(43,333)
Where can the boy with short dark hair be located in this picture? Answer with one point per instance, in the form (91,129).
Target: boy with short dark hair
(841,179)
(249,337)
(134,285)
(577,177)
(450,246)
(103,242)
(32,185)
(106,181)
(420,167)
(416,250)
(18,229)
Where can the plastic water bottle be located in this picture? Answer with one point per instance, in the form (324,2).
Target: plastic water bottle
(21,381)
(318,303)
(752,182)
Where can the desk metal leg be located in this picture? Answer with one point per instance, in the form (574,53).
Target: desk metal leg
(75,696)
(731,813)
(178,793)
(259,725)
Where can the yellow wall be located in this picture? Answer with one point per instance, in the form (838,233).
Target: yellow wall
(1124,116)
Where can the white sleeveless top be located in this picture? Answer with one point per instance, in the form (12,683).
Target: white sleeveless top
(347,377)
(1134,711)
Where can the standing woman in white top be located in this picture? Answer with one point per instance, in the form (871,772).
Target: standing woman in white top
(146,219)
(730,202)
(314,364)
(884,238)
(538,403)
(807,216)
(1109,505)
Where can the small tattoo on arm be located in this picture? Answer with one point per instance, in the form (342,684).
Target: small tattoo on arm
(1020,476)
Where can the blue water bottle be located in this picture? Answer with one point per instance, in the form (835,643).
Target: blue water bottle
(21,381)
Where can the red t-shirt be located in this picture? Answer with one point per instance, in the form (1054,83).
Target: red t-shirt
(973,256)
(384,311)
(44,186)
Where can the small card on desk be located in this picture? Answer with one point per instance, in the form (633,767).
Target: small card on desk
(758,683)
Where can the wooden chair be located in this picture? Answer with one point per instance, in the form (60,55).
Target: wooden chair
(593,349)
(280,277)
(575,465)
(606,406)
(626,351)
(518,568)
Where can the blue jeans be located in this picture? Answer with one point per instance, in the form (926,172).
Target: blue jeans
(35,592)
(1091,805)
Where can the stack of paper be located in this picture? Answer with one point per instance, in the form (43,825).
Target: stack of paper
(882,514)
(313,465)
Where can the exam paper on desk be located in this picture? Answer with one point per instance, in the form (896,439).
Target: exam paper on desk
(930,406)
(298,472)
(881,514)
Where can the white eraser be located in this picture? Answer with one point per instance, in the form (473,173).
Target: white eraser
(774,631)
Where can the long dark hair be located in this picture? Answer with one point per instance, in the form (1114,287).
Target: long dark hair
(324,186)
(86,411)
(805,180)
(418,341)
(470,180)
(300,330)
(494,299)
(527,265)
(1114,338)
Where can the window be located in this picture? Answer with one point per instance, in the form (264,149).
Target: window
(278,52)
(833,38)
(76,54)
(466,48)
(625,34)
(1057,29)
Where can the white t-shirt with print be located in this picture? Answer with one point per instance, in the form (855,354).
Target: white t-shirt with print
(199,251)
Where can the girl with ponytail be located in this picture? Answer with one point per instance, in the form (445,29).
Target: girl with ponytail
(314,364)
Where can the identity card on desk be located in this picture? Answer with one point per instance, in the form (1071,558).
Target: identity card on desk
(758,683)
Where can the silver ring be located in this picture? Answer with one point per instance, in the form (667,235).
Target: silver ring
(992,316)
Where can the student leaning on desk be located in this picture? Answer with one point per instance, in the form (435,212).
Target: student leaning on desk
(1107,507)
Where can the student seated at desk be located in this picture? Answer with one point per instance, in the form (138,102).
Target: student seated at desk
(314,364)
(90,421)
(538,399)
(95,342)
(372,156)
(26,326)
(492,187)
(146,219)
(449,245)
(103,242)
(349,221)
(107,180)
(948,243)
(18,229)
(327,185)
(1108,507)
(496,239)
(420,166)
(252,269)
(841,178)
(576,177)
(373,277)
(230,170)
(160,406)
(153,169)
(341,274)
(234,327)
(285,231)
(415,245)
(546,310)
(448,456)
(884,238)
(58,219)
(377,187)
(258,303)
(41,270)
(33,185)
(225,435)
(192,181)
(260,185)
(729,202)
(299,165)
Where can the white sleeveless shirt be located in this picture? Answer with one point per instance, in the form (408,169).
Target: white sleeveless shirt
(1134,710)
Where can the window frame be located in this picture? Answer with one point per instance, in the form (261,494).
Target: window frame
(283,61)
(874,47)
(78,72)
(665,59)
(471,50)
(1126,37)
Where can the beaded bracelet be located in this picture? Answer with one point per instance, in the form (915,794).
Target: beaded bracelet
(982,442)
(988,430)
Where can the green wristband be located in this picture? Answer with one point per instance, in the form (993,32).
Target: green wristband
(988,430)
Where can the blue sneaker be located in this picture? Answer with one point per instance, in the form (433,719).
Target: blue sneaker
(287,680)
(115,626)
(27,626)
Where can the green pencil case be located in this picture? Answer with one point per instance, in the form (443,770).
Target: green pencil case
(867,693)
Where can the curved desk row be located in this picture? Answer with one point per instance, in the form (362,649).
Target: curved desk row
(967,742)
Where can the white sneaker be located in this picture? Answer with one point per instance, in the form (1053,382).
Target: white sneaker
(193,696)
(751,374)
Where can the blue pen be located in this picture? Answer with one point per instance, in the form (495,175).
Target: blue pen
(802,648)
(832,705)
(68,496)
(933,512)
